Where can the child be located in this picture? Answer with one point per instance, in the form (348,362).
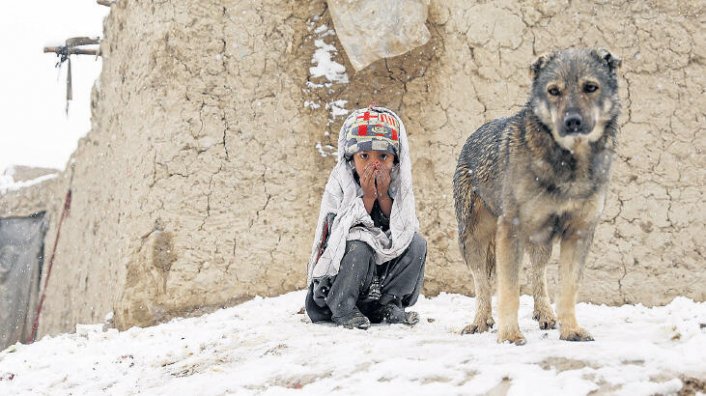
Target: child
(367,262)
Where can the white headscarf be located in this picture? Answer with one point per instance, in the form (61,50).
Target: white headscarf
(343,198)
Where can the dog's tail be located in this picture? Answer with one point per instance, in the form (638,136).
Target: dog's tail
(464,200)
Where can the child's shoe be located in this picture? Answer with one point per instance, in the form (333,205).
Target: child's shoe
(392,314)
(354,320)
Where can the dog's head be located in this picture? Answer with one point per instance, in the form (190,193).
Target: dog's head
(575,94)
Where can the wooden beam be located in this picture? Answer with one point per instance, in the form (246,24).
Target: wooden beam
(73,51)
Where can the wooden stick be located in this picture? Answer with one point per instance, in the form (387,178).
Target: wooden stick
(73,51)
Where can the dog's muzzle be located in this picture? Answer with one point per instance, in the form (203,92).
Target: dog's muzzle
(573,124)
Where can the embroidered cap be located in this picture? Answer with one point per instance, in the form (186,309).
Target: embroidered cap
(372,129)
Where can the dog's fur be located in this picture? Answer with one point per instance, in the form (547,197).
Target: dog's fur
(525,181)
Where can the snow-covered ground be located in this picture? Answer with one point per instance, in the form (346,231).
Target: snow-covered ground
(266,346)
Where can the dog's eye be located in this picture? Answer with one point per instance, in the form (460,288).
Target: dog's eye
(554,91)
(590,87)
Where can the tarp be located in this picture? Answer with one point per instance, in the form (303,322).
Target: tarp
(21,259)
(374,29)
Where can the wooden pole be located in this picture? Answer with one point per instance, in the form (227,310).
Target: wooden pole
(72,46)
(72,51)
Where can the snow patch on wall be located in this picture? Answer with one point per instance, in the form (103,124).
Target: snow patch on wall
(325,150)
(326,72)
(326,66)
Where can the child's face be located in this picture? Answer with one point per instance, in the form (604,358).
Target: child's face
(381,160)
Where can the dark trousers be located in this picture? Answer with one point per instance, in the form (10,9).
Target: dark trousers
(399,282)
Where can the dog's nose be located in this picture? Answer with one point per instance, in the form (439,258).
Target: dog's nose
(573,122)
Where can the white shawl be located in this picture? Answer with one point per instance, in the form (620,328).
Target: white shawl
(343,198)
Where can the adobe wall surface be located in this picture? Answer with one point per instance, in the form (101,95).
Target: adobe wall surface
(199,185)
(650,245)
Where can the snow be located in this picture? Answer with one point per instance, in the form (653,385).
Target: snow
(337,109)
(323,31)
(325,150)
(35,129)
(325,65)
(265,346)
(323,57)
(7,182)
(327,72)
(311,104)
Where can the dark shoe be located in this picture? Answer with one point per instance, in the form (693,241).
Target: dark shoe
(411,318)
(392,314)
(354,320)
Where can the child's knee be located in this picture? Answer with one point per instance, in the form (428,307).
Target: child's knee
(418,246)
(359,249)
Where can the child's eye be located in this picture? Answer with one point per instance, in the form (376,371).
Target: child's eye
(383,157)
(364,156)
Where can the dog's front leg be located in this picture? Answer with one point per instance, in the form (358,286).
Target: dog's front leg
(543,313)
(574,249)
(508,254)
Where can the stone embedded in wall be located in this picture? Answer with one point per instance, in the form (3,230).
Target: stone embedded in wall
(147,271)
(370,30)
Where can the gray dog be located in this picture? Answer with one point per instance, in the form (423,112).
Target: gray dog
(541,175)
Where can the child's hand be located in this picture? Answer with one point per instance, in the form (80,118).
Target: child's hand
(367,181)
(382,181)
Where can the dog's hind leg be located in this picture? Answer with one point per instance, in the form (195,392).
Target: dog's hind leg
(477,248)
(574,249)
(543,313)
(483,320)
(477,257)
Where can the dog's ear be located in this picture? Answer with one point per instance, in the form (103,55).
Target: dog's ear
(539,64)
(610,60)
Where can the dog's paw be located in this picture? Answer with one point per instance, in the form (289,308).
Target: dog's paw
(478,326)
(575,334)
(546,319)
(514,337)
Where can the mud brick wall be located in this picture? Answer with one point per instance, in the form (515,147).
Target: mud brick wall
(200,181)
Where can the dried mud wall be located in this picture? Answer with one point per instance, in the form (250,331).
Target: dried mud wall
(199,185)
(200,105)
(651,244)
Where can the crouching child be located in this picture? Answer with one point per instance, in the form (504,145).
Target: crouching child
(367,260)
